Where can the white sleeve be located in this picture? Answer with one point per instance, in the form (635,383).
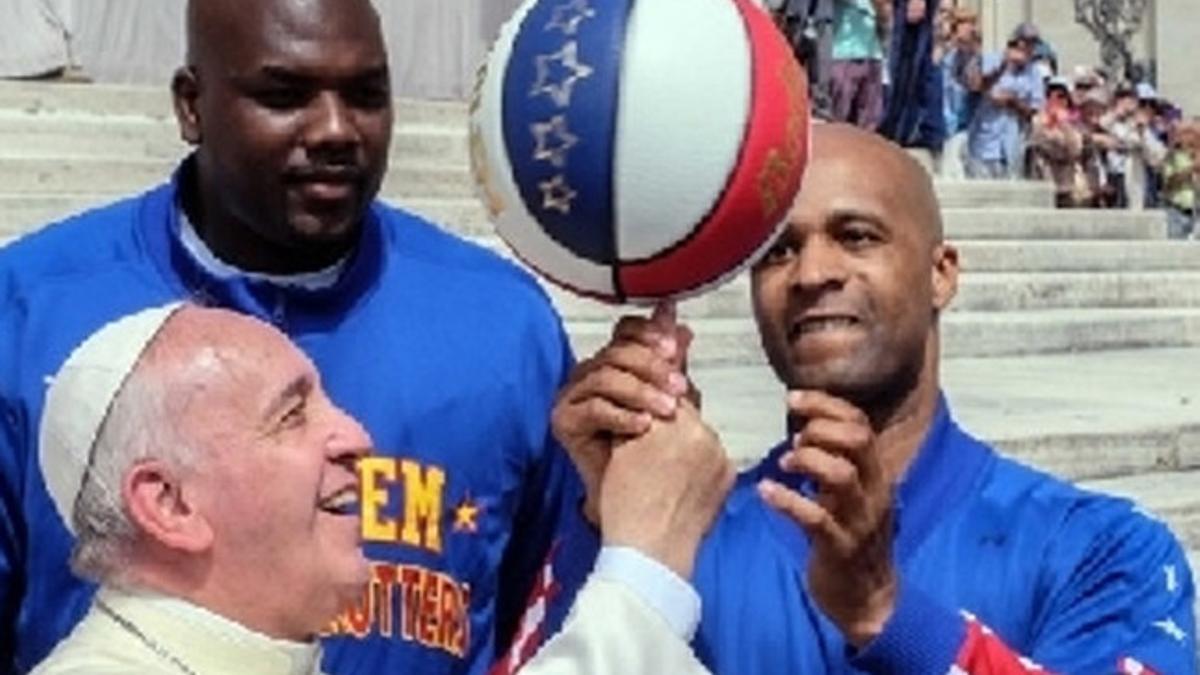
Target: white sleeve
(655,584)
(611,630)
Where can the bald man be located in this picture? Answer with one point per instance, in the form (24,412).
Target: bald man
(880,537)
(448,355)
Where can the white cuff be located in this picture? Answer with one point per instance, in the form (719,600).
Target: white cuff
(664,591)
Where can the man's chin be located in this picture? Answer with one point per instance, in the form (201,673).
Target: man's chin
(841,376)
(308,231)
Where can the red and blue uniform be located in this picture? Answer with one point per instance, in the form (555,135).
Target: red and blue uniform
(1003,570)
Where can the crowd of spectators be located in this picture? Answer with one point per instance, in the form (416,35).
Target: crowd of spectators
(916,71)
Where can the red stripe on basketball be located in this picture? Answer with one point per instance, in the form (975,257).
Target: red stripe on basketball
(760,191)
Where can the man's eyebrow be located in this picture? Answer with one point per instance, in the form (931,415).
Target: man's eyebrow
(291,76)
(284,74)
(298,388)
(843,215)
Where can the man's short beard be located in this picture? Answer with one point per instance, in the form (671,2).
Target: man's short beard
(877,396)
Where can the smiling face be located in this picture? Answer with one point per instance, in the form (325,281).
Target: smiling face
(846,300)
(276,478)
(290,106)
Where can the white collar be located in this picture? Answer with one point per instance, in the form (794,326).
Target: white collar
(183,629)
(204,256)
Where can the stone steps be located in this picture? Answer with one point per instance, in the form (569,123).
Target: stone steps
(1078,256)
(468,218)
(1087,415)
(734,341)
(979,292)
(447,178)
(1028,257)
(155,102)
(117,177)
(984,292)
(61,136)
(19,212)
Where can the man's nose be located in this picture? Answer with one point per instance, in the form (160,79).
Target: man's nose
(349,439)
(332,122)
(820,263)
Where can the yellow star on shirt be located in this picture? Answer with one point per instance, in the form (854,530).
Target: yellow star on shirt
(567,59)
(557,195)
(568,17)
(553,140)
(466,516)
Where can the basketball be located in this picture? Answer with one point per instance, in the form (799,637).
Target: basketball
(639,150)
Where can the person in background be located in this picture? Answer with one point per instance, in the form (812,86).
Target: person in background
(1084,81)
(860,28)
(1097,142)
(913,115)
(1012,91)
(960,56)
(1152,107)
(1181,178)
(1136,152)
(1042,54)
(808,27)
(1056,146)
(1116,123)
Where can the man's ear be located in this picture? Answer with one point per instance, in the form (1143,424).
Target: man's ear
(153,494)
(945,276)
(185,90)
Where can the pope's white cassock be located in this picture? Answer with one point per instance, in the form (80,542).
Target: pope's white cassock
(612,630)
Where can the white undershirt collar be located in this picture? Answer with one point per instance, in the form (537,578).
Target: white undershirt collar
(205,258)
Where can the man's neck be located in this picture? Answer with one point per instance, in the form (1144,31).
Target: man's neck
(902,426)
(193,584)
(238,245)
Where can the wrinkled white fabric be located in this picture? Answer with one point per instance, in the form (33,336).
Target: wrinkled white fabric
(435,45)
(34,36)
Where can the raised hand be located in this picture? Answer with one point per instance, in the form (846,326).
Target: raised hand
(617,393)
(849,520)
(663,489)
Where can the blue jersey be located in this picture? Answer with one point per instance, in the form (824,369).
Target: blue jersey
(1001,567)
(450,356)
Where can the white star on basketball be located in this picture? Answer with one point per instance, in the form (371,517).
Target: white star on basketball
(553,140)
(557,195)
(568,17)
(567,59)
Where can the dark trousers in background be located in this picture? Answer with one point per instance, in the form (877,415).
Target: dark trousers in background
(808,26)
(856,92)
(914,116)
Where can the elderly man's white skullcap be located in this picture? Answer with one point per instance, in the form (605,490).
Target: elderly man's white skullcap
(80,396)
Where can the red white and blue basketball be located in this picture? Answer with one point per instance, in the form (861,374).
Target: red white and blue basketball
(637,150)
